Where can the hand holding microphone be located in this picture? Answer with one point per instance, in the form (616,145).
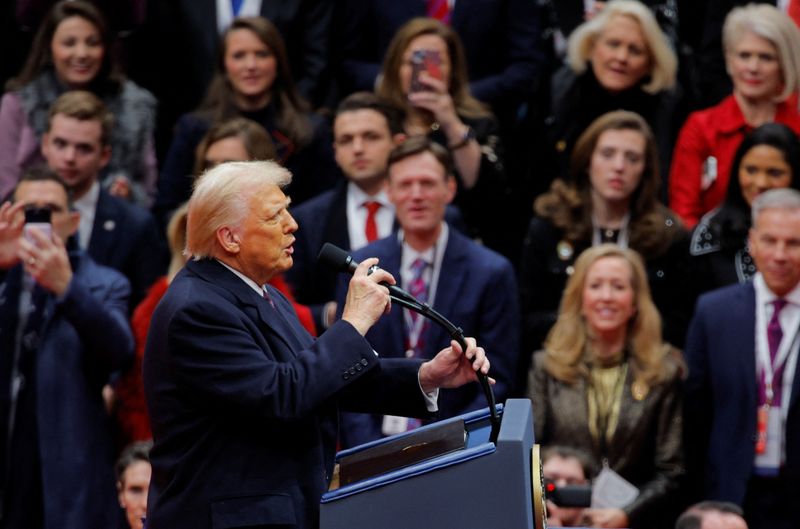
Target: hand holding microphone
(366,300)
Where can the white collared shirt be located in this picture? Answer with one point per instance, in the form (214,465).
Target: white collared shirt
(790,323)
(357,215)
(87,206)
(249,282)
(225,15)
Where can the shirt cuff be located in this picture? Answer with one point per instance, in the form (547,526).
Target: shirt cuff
(431,399)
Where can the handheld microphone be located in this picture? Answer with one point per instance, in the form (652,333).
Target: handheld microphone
(339,260)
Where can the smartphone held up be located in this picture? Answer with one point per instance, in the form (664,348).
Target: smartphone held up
(37,219)
(427,61)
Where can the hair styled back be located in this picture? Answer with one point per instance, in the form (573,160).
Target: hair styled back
(290,107)
(663,62)
(83,106)
(390,87)
(770,23)
(40,57)
(221,197)
(134,452)
(370,101)
(256,140)
(568,344)
(418,145)
(732,221)
(569,205)
(786,199)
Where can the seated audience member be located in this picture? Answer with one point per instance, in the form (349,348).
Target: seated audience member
(619,59)
(743,429)
(768,158)
(73,50)
(354,213)
(712,515)
(607,384)
(133,481)
(611,197)
(115,233)
(565,466)
(63,333)
(500,37)
(444,110)
(468,284)
(762,54)
(253,80)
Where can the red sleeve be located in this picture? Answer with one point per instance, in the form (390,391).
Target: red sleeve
(691,150)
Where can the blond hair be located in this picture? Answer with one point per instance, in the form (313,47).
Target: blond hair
(568,343)
(221,198)
(770,23)
(664,63)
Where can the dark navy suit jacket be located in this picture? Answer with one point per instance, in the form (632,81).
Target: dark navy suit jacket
(243,403)
(477,291)
(125,237)
(324,219)
(85,339)
(721,395)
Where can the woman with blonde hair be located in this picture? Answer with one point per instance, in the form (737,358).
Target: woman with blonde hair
(620,59)
(762,57)
(607,384)
(437,103)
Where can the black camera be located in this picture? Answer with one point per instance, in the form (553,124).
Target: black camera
(568,495)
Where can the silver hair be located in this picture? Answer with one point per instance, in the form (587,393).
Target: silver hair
(784,198)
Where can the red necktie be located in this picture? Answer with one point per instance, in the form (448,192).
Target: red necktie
(371,227)
(794,11)
(438,9)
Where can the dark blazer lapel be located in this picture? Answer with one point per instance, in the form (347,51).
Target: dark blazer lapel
(105,230)
(337,228)
(630,413)
(744,319)
(249,300)
(452,277)
(391,261)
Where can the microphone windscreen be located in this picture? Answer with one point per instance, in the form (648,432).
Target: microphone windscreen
(336,258)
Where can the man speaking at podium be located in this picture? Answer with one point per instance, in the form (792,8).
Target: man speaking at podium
(243,402)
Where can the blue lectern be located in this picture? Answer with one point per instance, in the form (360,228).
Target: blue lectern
(481,485)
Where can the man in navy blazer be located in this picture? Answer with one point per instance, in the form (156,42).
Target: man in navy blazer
(115,232)
(63,332)
(470,285)
(243,402)
(743,433)
(365,131)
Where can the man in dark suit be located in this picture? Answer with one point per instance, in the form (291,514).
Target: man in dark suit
(243,402)
(63,332)
(357,211)
(742,413)
(115,232)
(470,285)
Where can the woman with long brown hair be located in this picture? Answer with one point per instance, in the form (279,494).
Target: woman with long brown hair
(607,384)
(437,103)
(253,80)
(73,50)
(611,196)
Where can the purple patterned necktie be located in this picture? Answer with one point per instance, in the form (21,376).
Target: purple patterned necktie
(774,337)
(418,287)
(267,297)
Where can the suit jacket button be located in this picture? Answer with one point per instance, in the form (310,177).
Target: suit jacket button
(345,375)
(359,367)
(352,370)
(364,362)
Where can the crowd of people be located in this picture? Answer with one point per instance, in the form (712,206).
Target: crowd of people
(602,195)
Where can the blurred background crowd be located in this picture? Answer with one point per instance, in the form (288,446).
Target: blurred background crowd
(597,168)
